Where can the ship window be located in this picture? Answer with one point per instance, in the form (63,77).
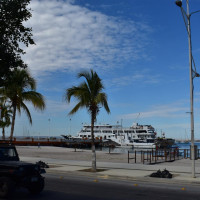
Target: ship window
(131,131)
(150,131)
(141,131)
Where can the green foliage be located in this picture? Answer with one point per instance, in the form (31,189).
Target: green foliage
(12,32)
(89,94)
(19,88)
(6,115)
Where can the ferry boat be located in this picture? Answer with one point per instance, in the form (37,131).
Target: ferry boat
(137,136)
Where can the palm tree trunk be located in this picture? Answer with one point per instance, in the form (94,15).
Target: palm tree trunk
(94,168)
(13,122)
(3,133)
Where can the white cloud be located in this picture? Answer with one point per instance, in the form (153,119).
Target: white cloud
(70,37)
(52,107)
(142,76)
(164,111)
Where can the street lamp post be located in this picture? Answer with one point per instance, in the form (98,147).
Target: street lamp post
(192,73)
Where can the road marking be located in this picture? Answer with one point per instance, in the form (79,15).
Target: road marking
(103,176)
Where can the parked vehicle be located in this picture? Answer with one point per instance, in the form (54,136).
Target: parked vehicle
(15,173)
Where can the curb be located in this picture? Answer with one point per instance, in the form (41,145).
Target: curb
(145,179)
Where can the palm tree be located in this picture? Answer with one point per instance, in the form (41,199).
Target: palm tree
(6,114)
(19,88)
(90,96)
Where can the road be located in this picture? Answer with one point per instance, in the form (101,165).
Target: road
(77,187)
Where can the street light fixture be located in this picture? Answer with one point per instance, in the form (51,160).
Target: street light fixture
(178,3)
(193,74)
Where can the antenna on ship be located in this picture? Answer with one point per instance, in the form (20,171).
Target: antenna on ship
(135,123)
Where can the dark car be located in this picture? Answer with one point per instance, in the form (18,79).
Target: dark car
(15,173)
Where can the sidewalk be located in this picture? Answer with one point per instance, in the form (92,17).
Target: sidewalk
(180,169)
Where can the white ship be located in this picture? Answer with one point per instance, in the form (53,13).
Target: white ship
(137,136)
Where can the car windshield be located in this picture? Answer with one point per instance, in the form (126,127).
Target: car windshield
(8,153)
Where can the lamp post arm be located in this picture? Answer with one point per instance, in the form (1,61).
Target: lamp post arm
(194,12)
(184,14)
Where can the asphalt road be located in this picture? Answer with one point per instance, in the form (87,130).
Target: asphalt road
(73,187)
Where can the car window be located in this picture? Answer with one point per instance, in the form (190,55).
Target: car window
(6,153)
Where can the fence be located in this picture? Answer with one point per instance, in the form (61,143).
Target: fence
(185,153)
(153,156)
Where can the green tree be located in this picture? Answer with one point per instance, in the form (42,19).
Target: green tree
(6,114)
(20,88)
(13,14)
(90,96)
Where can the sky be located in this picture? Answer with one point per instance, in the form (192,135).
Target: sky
(139,48)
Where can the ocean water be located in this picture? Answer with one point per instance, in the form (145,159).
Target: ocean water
(187,145)
(181,146)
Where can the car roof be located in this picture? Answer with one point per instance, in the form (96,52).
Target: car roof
(6,145)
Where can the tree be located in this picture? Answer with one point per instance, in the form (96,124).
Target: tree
(6,114)
(19,88)
(13,33)
(90,96)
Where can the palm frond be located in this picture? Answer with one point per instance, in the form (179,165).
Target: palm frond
(35,98)
(24,107)
(88,93)
(102,99)
(76,108)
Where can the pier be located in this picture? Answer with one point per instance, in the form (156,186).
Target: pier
(43,141)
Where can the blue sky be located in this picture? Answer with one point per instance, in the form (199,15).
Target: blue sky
(138,47)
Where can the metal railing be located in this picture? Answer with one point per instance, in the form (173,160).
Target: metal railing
(153,156)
